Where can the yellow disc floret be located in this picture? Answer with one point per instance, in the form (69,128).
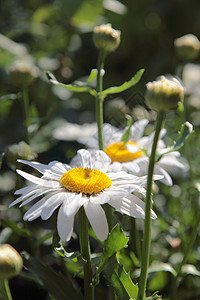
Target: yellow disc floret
(85,181)
(119,152)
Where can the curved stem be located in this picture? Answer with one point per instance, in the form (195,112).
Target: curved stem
(85,252)
(5,290)
(99,98)
(147,224)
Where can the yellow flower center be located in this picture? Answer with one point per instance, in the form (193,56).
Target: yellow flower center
(119,152)
(85,181)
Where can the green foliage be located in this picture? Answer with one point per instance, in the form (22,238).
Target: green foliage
(58,286)
(126,85)
(126,135)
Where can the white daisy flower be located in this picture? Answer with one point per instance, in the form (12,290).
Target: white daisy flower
(88,185)
(71,131)
(130,156)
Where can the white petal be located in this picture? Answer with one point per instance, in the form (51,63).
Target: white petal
(115,167)
(97,219)
(166,177)
(131,167)
(85,159)
(36,165)
(52,202)
(137,129)
(64,225)
(40,181)
(26,189)
(100,198)
(132,206)
(102,161)
(72,203)
(35,211)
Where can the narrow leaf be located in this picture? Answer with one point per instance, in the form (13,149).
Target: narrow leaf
(56,284)
(115,242)
(126,85)
(186,130)
(78,87)
(126,135)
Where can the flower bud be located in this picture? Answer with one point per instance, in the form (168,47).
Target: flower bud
(164,94)
(20,150)
(187,47)
(11,262)
(23,73)
(106,38)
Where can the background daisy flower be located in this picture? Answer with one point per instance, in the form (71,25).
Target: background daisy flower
(130,156)
(89,185)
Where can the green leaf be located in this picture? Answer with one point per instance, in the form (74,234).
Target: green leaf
(55,283)
(126,85)
(115,242)
(186,130)
(126,135)
(120,280)
(78,86)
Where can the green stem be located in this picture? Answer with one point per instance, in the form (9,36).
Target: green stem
(147,224)
(85,252)
(135,239)
(5,290)
(99,98)
(26,110)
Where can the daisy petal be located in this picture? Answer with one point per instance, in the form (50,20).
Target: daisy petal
(52,202)
(85,159)
(166,177)
(72,203)
(97,219)
(102,161)
(35,211)
(37,180)
(38,166)
(65,225)
(137,129)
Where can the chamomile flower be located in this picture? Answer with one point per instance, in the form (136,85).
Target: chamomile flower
(89,185)
(131,157)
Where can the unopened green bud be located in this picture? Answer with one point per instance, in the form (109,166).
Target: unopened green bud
(187,47)
(23,73)
(11,262)
(19,151)
(106,38)
(164,94)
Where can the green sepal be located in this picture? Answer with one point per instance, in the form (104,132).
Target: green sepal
(126,85)
(186,130)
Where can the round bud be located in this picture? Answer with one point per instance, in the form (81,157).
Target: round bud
(106,38)
(23,73)
(187,47)
(164,94)
(11,262)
